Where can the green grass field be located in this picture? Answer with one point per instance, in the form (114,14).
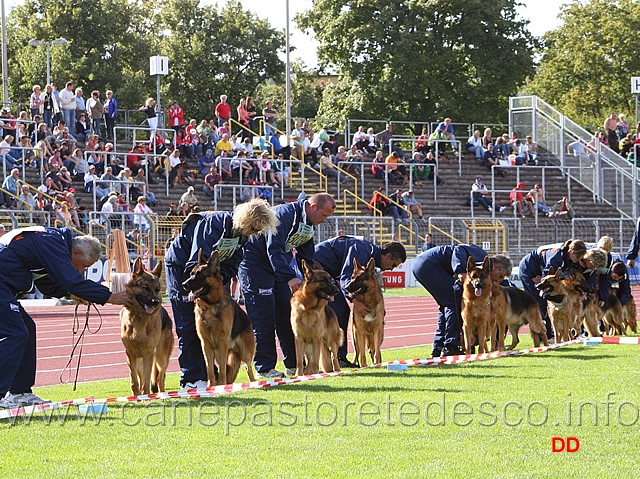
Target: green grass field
(493,418)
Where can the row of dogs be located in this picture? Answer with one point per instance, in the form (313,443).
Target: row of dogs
(225,330)
(488,309)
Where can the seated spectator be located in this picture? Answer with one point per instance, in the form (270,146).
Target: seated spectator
(187,200)
(378,168)
(420,171)
(521,153)
(11,159)
(224,145)
(385,137)
(626,145)
(195,143)
(486,139)
(265,172)
(182,143)
(328,168)
(414,205)
(224,130)
(580,150)
(422,145)
(174,161)
(156,144)
(173,209)
(83,128)
(310,153)
(512,141)
(474,145)
(107,211)
(379,202)
(536,200)
(281,171)
(213,138)
(41,203)
(372,146)
(25,142)
(53,174)
(144,188)
(241,166)
(447,129)
(263,193)
(490,158)
(398,210)
(532,151)
(501,148)
(223,164)
(247,146)
(212,179)
(48,188)
(26,201)
(140,220)
(396,169)
(65,178)
(354,155)
(72,209)
(236,144)
(278,149)
(108,180)
(428,242)
(562,209)
(248,192)
(66,136)
(327,140)
(90,182)
(206,162)
(479,194)
(436,143)
(360,139)
(516,198)
(134,159)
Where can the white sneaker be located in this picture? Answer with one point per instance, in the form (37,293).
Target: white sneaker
(288,372)
(199,384)
(502,208)
(26,399)
(6,404)
(272,374)
(490,209)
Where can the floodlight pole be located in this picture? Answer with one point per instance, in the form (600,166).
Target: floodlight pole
(5,73)
(288,86)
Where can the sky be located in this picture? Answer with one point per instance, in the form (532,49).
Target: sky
(541,13)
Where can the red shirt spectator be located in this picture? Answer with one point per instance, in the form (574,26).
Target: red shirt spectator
(223,109)
(176,116)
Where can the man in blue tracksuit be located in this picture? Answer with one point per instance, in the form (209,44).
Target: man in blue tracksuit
(228,233)
(538,263)
(336,257)
(632,254)
(440,270)
(53,261)
(268,280)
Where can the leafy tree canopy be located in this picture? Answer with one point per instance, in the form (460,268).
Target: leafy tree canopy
(587,63)
(421,59)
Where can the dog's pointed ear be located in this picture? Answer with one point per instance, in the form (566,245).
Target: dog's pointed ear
(214,261)
(550,273)
(371,265)
(486,264)
(306,269)
(356,265)
(157,271)
(559,273)
(137,266)
(201,260)
(471,264)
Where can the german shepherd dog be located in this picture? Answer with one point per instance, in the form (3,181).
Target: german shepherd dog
(565,298)
(513,309)
(629,315)
(612,316)
(146,331)
(224,329)
(476,305)
(589,314)
(367,331)
(315,325)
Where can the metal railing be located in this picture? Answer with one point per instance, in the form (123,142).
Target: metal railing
(217,191)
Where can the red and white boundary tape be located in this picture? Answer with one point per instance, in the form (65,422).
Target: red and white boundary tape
(236,387)
(616,340)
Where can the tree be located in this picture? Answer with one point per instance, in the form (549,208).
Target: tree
(108,47)
(421,59)
(214,52)
(588,61)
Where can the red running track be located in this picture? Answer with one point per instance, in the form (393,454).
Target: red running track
(410,322)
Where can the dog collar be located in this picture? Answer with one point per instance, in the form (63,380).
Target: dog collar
(558,306)
(485,308)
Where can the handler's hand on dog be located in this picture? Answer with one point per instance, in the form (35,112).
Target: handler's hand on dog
(536,279)
(78,300)
(294,284)
(121,297)
(360,308)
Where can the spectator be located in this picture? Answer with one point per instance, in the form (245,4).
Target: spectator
(265,172)
(65,178)
(95,110)
(378,169)
(173,209)
(176,116)
(110,114)
(325,140)
(328,168)
(10,157)
(278,149)
(501,148)
(187,200)
(486,139)
(83,129)
(626,145)
(270,116)
(360,139)
(436,143)
(623,126)
(25,142)
(243,117)
(152,116)
(385,137)
(80,104)
(135,159)
(236,145)
(248,147)
(68,106)
(397,206)
(65,136)
(212,179)
(144,188)
(140,220)
(428,242)
(49,104)
(107,211)
(41,203)
(516,198)
(490,158)
(422,145)
(206,162)
(396,172)
(223,164)
(480,191)
(298,137)
(223,111)
(223,145)
(474,145)
(379,202)
(195,145)
(72,208)
(414,205)
(224,129)
(354,155)
(521,153)
(611,129)
(563,209)
(580,150)
(281,171)
(90,182)
(174,161)
(35,101)
(26,201)
(447,129)
(536,200)
(532,151)
(310,153)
